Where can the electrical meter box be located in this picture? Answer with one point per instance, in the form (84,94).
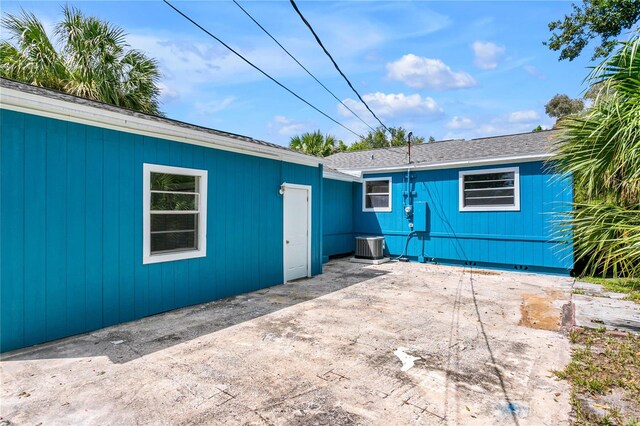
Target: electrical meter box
(420,216)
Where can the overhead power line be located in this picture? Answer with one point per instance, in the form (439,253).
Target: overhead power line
(259,69)
(302,66)
(293,3)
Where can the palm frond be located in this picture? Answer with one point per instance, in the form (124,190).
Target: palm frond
(314,144)
(94,60)
(606,237)
(601,150)
(33,58)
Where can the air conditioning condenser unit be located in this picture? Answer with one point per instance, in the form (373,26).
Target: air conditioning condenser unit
(370,250)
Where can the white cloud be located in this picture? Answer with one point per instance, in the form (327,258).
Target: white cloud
(534,72)
(460,123)
(190,62)
(286,126)
(420,72)
(167,94)
(516,122)
(487,54)
(495,127)
(523,116)
(186,64)
(379,18)
(213,106)
(393,105)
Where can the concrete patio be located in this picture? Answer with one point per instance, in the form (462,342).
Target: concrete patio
(595,307)
(326,350)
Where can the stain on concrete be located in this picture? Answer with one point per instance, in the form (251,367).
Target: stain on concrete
(322,410)
(405,358)
(486,272)
(168,338)
(538,311)
(512,409)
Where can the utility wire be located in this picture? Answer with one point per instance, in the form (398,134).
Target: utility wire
(259,69)
(302,66)
(293,3)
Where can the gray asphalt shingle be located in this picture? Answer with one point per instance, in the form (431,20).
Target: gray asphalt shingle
(539,143)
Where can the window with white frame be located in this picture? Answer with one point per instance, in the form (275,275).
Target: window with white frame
(376,194)
(175,219)
(490,189)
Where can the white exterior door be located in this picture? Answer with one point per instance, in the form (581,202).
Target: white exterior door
(296,231)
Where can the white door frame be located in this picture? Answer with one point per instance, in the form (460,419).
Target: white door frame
(307,188)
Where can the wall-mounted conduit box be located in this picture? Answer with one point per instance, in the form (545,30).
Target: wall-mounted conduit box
(420,216)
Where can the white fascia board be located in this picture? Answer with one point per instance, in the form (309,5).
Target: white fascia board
(453,164)
(327,174)
(30,103)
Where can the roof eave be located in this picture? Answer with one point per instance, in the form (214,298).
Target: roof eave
(346,177)
(17,100)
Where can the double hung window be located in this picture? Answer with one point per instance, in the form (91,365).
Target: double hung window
(175,201)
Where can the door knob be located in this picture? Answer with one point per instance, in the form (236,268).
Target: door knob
(287,241)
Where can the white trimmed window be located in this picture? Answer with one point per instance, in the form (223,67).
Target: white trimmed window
(490,190)
(376,194)
(175,213)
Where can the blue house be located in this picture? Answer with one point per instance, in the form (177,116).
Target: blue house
(490,202)
(108,215)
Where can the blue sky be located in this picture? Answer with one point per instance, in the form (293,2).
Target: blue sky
(443,69)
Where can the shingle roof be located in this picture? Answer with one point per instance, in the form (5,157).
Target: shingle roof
(49,93)
(539,143)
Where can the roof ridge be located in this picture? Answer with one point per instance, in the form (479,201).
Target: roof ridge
(438,142)
(360,151)
(514,134)
(392,147)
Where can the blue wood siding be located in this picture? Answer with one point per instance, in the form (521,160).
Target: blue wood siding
(71,228)
(520,239)
(338,218)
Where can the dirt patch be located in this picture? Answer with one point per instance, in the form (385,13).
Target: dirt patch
(537,311)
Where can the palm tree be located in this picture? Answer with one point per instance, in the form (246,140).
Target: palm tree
(93,60)
(601,150)
(314,144)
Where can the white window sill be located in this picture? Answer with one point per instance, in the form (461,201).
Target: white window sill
(491,209)
(170,257)
(380,210)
